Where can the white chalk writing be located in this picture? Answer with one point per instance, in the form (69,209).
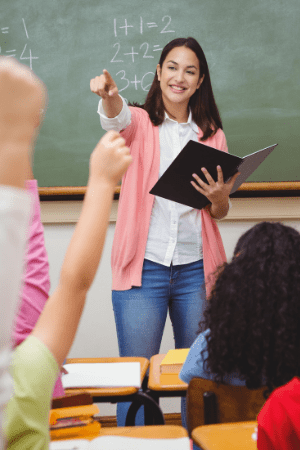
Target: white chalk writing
(125,53)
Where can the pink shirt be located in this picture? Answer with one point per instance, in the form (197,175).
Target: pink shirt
(36,281)
(136,203)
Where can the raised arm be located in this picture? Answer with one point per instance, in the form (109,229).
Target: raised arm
(22,101)
(106,88)
(58,322)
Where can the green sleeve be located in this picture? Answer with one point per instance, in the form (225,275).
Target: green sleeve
(34,372)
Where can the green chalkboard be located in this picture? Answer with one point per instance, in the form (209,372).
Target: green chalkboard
(252,48)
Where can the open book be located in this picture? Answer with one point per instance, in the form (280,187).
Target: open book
(175,183)
(85,375)
(121,443)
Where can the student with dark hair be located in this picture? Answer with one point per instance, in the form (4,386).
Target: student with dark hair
(37,360)
(163,249)
(250,334)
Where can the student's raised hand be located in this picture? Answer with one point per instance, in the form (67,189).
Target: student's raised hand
(110,159)
(22,101)
(104,85)
(217,192)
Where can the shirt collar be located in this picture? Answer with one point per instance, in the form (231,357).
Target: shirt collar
(190,121)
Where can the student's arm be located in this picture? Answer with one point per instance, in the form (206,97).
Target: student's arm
(58,322)
(22,100)
(106,88)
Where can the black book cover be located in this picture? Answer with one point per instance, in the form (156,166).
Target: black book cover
(175,183)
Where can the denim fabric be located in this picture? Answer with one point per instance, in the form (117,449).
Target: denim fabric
(141,312)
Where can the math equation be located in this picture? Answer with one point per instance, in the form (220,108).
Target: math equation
(24,53)
(123,53)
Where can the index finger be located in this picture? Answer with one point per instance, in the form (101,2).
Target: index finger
(108,76)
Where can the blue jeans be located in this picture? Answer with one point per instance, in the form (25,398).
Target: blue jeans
(141,312)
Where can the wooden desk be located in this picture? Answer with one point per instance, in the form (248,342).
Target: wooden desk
(226,436)
(100,395)
(149,432)
(157,388)
(123,394)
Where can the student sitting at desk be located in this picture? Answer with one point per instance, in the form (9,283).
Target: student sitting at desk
(37,360)
(250,334)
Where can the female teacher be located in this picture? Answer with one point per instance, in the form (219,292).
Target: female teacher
(163,251)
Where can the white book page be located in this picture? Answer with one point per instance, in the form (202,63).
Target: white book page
(129,443)
(122,374)
(249,164)
(73,444)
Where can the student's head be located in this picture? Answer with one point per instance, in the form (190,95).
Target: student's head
(254,309)
(183,64)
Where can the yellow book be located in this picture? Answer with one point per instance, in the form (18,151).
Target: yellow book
(173,361)
(74,421)
(82,412)
(170,379)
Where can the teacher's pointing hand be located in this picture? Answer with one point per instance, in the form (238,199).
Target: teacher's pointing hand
(104,85)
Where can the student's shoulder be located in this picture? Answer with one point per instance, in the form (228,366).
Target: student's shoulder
(31,353)
(289,392)
(34,372)
(194,363)
(200,342)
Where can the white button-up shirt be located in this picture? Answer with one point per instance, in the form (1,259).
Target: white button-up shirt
(175,230)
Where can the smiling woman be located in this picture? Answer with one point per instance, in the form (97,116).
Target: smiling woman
(179,79)
(162,249)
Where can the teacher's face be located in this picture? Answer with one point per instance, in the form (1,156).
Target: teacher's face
(179,76)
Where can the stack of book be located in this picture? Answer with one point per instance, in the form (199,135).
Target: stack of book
(73,416)
(171,365)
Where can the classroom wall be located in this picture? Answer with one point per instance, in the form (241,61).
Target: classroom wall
(96,336)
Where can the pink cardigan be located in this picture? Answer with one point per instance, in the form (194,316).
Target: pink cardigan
(135,206)
(36,281)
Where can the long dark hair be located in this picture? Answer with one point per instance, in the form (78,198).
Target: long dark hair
(254,310)
(205,112)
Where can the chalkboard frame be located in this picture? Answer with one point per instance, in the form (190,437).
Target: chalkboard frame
(254,189)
